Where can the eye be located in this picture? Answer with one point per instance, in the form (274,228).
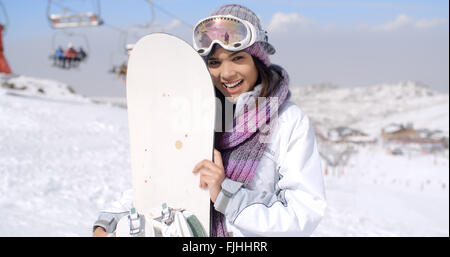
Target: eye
(213,63)
(237,58)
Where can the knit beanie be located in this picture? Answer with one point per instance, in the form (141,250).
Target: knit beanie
(260,50)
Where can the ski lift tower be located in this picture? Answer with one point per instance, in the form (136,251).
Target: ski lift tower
(68,18)
(4,67)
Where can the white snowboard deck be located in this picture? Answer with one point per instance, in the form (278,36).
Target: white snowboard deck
(171,111)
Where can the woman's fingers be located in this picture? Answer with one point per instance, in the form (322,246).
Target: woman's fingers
(199,166)
(208,177)
(211,173)
(205,164)
(218,158)
(203,181)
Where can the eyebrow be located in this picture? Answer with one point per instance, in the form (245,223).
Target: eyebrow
(231,55)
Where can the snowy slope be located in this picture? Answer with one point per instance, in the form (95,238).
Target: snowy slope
(38,88)
(370,109)
(376,193)
(383,195)
(63,157)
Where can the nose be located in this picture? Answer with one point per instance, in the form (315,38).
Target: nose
(227,72)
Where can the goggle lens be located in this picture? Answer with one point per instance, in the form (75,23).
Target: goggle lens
(226,30)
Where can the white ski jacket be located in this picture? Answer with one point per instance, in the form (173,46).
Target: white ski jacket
(285,198)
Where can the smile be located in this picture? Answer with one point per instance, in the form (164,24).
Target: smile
(232,85)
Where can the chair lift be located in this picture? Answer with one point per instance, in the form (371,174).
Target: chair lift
(72,19)
(121,69)
(130,36)
(78,41)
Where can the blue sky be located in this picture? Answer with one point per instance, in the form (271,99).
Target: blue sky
(122,13)
(381,29)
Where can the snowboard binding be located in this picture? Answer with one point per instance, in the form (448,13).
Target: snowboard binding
(136,223)
(171,223)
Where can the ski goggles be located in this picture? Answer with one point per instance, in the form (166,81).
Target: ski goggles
(230,32)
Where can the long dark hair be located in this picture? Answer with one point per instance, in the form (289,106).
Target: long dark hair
(265,77)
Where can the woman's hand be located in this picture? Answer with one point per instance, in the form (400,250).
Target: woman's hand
(212,175)
(101,232)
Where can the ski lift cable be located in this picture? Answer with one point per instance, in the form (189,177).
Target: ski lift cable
(152,15)
(152,10)
(65,8)
(149,24)
(5,13)
(152,6)
(172,15)
(113,27)
(125,32)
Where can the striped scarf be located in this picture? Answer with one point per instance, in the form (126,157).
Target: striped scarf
(242,148)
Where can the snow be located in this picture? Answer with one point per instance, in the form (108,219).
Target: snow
(64,156)
(373,108)
(391,128)
(60,161)
(377,194)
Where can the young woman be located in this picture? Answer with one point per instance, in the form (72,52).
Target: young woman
(265,178)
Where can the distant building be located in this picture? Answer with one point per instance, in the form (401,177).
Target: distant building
(429,140)
(399,132)
(349,135)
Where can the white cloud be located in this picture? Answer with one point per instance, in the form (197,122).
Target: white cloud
(400,21)
(430,23)
(285,22)
(403,21)
(281,22)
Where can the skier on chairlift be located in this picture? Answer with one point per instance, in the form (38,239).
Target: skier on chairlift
(58,57)
(70,54)
(122,72)
(79,57)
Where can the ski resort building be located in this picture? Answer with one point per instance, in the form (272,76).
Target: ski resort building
(399,132)
(349,135)
(423,140)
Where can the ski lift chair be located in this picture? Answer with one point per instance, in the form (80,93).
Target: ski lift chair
(67,17)
(60,21)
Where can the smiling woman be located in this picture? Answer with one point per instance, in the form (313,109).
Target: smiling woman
(265,178)
(270,144)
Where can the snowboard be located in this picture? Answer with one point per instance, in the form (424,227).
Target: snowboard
(171,117)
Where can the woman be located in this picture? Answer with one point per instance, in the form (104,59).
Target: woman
(265,178)
(265,181)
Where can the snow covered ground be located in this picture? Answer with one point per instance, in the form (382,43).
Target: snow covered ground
(63,156)
(377,194)
(60,161)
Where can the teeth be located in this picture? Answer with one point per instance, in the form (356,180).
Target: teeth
(232,84)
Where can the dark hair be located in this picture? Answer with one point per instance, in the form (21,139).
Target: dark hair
(265,77)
